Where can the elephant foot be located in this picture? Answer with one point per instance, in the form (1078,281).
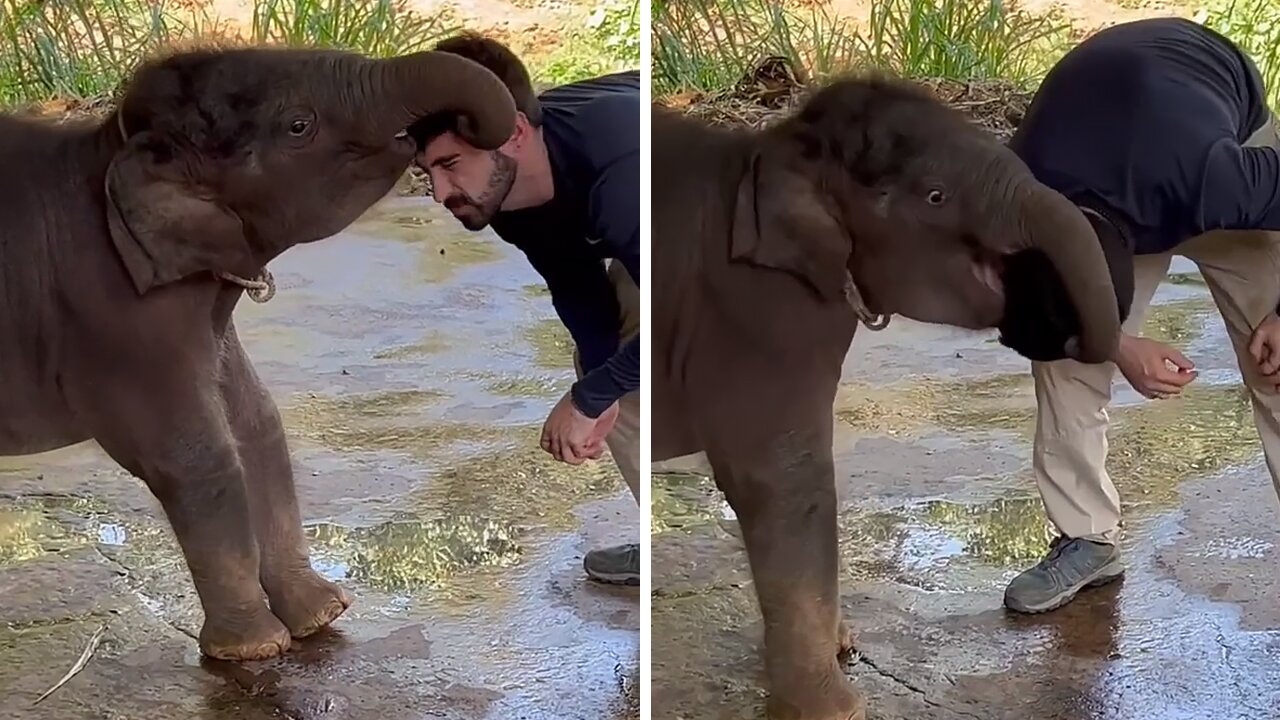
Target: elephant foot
(847,640)
(835,699)
(261,638)
(306,602)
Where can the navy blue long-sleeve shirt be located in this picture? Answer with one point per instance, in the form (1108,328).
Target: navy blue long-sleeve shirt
(1145,121)
(592,132)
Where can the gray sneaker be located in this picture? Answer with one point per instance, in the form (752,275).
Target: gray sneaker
(1070,566)
(619,565)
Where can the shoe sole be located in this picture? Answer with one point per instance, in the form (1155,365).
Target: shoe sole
(1113,571)
(615,579)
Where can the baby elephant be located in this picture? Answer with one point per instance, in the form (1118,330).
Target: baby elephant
(768,248)
(124,248)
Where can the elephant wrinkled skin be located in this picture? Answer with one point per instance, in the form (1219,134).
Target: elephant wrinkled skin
(115,325)
(758,239)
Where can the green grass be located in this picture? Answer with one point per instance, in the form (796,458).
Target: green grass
(380,28)
(708,45)
(80,48)
(1255,26)
(963,40)
(606,39)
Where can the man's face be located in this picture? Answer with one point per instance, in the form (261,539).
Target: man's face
(471,183)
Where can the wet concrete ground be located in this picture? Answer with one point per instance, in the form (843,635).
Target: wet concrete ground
(939,511)
(414,364)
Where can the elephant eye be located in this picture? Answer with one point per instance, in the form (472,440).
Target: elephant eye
(937,197)
(298,128)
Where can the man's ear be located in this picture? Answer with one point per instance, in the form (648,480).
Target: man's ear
(165,227)
(781,222)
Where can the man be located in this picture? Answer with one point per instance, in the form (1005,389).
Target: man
(565,189)
(1160,127)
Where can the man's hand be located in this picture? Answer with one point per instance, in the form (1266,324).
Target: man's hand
(572,437)
(1146,365)
(1264,346)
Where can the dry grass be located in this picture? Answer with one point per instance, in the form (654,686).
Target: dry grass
(769,94)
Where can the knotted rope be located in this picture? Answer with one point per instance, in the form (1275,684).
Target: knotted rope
(260,289)
(854,298)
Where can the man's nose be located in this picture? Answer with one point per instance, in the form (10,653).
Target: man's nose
(437,188)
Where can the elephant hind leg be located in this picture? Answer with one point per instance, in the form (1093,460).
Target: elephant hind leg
(300,597)
(167,428)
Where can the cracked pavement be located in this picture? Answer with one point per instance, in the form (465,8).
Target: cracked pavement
(938,511)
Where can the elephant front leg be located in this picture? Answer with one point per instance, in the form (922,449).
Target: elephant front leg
(208,511)
(175,438)
(785,501)
(300,597)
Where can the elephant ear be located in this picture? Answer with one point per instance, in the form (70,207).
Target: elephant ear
(164,226)
(781,222)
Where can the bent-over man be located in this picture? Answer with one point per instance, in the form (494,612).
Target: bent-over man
(565,190)
(1161,127)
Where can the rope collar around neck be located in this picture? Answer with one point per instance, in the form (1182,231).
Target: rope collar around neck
(872,320)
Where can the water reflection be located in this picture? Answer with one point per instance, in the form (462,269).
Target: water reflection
(26,534)
(433,343)
(1153,446)
(411,554)
(480,469)
(552,344)
(446,245)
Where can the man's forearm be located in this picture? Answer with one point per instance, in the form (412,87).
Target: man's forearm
(606,384)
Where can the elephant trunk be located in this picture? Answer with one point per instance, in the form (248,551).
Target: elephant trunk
(429,82)
(1055,226)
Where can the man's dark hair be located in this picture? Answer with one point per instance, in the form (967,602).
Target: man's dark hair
(1039,316)
(501,61)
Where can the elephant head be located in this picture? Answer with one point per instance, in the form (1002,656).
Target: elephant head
(223,159)
(875,181)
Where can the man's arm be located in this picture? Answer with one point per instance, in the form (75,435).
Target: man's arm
(1240,188)
(615,216)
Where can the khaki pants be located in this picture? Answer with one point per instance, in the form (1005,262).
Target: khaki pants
(1242,271)
(624,439)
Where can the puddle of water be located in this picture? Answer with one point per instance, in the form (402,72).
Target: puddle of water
(1153,445)
(942,545)
(482,469)
(1000,402)
(112,534)
(27,534)
(1237,548)
(521,386)
(36,526)
(432,344)
(552,344)
(536,290)
(918,544)
(1178,322)
(521,484)
(412,554)
(391,420)
(679,501)
(446,245)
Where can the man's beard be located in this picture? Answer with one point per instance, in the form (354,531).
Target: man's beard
(490,201)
